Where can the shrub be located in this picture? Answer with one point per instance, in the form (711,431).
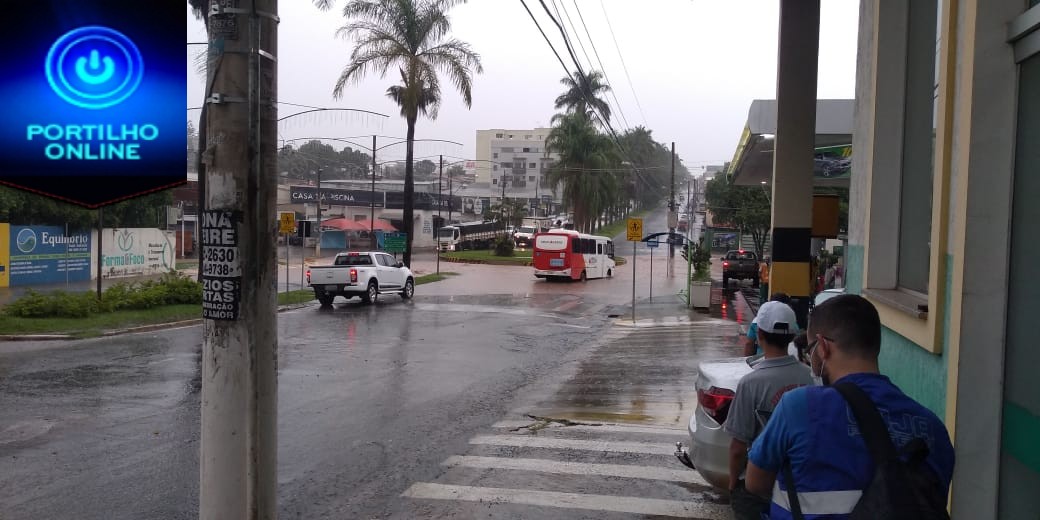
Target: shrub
(171,289)
(58,304)
(504,245)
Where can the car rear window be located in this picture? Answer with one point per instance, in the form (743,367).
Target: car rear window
(747,255)
(353,260)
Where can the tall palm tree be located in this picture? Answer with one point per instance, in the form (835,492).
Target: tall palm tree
(583,95)
(411,35)
(584,155)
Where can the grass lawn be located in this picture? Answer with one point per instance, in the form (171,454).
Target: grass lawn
(518,258)
(98,323)
(433,277)
(294,297)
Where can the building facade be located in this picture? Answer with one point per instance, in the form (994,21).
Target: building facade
(514,160)
(944,227)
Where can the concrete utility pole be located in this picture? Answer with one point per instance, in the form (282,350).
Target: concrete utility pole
(238,453)
(317,245)
(436,239)
(671,209)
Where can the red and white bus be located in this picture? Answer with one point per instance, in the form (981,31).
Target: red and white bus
(567,254)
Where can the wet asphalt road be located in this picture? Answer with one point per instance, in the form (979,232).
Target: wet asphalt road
(418,409)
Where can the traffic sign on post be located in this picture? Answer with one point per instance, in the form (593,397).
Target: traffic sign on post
(652,244)
(288,222)
(635,229)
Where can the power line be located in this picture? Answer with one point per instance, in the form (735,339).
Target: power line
(623,66)
(601,67)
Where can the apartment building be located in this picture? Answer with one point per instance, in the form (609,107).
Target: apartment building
(515,158)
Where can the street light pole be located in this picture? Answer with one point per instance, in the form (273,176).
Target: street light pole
(372,210)
(671,209)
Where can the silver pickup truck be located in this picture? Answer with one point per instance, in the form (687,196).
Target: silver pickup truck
(365,275)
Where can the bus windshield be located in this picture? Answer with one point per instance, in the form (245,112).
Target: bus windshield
(446,233)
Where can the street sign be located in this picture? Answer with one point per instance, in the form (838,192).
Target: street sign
(635,229)
(652,244)
(288,222)
(394,243)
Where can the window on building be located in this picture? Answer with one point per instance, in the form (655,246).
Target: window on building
(541,138)
(495,167)
(494,181)
(527,150)
(915,208)
(494,155)
(531,178)
(507,149)
(510,136)
(498,136)
(532,165)
(527,137)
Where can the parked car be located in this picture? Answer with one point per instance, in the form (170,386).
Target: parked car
(826,295)
(740,265)
(364,275)
(716,387)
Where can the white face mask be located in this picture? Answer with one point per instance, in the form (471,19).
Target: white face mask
(817,378)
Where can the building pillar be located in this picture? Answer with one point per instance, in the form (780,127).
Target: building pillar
(793,152)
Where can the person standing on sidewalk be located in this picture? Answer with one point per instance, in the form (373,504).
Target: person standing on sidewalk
(816,442)
(751,346)
(757,395)
(763,280)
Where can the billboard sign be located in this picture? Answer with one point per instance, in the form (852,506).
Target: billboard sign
(45,254)
(135,252)
(86,98)
(334,196)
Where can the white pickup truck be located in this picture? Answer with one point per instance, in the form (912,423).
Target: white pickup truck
(362,274)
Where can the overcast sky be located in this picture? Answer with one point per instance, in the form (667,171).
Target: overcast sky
(695,66)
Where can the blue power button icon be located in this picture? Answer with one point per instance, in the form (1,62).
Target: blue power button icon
(94,67)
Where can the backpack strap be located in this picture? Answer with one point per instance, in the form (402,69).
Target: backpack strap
(792,495)
(871,425)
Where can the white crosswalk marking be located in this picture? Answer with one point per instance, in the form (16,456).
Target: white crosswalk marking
(578,468)
(635,505)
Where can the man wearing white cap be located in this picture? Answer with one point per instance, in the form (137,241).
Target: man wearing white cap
(757,395)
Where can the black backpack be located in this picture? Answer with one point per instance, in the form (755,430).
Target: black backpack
(899,490)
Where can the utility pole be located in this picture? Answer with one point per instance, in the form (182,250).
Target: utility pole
(450,195)
(317,245)
(440,197)
(100,256)
(672,215)
(238,453)
(372,210)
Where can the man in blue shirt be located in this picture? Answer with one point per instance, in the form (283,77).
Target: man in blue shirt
(813,429)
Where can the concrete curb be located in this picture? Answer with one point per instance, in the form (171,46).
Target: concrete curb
(131,330)
(484,262)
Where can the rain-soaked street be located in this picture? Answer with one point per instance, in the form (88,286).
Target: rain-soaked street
(490,394)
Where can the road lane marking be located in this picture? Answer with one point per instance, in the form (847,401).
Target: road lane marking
(578,468)
(574,444)
(571,326)
(663,430)
(633,505)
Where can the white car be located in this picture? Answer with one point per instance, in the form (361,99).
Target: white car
(365,275)
(709,445)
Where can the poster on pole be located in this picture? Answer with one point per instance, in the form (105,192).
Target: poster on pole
(221,265)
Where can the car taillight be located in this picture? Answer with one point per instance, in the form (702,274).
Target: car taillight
(353,275)
(715,402)
(725,264)
(308,276)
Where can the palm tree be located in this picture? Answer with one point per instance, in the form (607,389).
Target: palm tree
(411,35)
(584,155)
(583,95)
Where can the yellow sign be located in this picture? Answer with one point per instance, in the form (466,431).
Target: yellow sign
(635,229)
(288,220)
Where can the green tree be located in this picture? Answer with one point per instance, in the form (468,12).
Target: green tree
(412,36)
(584,95)
(745,207)
(584,169)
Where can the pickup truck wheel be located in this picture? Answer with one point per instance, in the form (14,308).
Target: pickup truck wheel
(372,294)
(610,273)
(409,290)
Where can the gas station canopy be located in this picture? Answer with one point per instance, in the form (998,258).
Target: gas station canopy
(753,161)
